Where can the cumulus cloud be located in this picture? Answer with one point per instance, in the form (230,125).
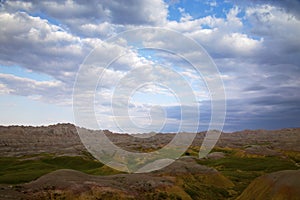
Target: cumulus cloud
(33,43)
(254,44)
(279,30)
(38,90)
(78,16)
(288,6)
(223,37)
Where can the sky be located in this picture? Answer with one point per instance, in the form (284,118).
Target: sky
(45,47)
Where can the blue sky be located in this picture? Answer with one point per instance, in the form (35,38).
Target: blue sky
(254,44)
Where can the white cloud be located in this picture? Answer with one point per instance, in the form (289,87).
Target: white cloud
(19,5)
(223,37)
(239,44)
(47,91)
(278,27)
(256,47)
(4,89)
(33,43)
(104,29)
(184,16)
(74,14)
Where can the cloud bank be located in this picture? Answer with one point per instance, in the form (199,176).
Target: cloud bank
(255,46)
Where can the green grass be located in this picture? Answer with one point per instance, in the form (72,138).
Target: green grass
(197,189)
(265,164)
(24,169)
(76,163)
(200,191)
(295,156)
(227,151)
(14,171)
(242,170)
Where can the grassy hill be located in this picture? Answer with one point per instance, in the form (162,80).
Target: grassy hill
(234,170)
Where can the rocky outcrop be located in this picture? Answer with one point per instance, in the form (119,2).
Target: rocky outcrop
(261,150)
(284,139)
(63,139)
(215,155)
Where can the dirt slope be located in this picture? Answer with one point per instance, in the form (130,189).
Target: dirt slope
(172,182)
(282,185)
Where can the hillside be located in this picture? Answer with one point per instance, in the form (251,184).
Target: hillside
(51,163)
(278,185)
(63,139)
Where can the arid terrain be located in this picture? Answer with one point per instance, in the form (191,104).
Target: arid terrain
(51,163)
